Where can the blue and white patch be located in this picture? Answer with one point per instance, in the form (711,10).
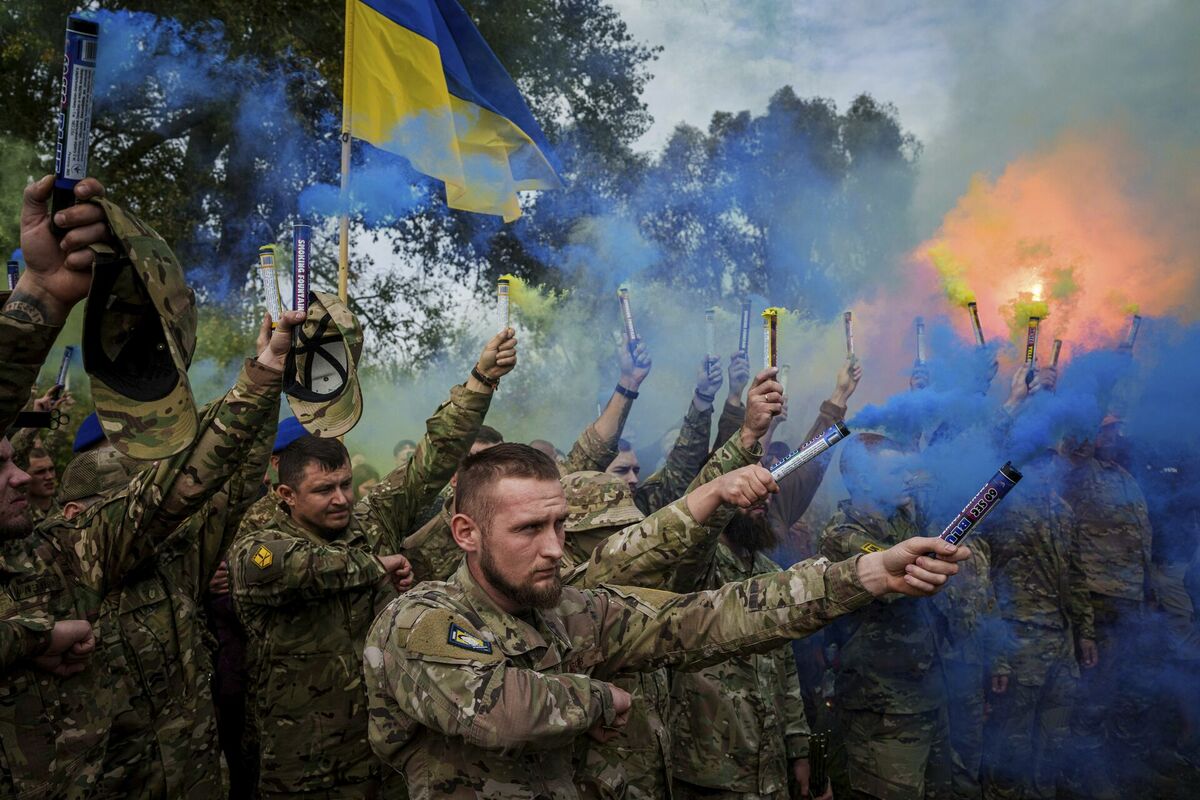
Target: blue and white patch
(467,640)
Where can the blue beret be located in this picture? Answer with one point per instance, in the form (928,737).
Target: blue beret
(289,431)
(89,433)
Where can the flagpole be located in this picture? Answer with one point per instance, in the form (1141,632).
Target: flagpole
(344,220)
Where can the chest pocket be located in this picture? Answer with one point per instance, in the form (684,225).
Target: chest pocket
(147,628)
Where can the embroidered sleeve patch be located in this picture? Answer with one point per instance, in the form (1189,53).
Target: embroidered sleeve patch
(467,640)
(262,557)
(871,547)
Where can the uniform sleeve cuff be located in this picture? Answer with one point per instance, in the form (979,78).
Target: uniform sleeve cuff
(844,588)
(832,410)
(797,747)
(602,700)
(464,398)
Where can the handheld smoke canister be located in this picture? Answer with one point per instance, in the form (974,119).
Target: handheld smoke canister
(770,337)
(272,299)
(75,113)
(503,306)
(14,274)
(810,450)
(973,310)
(744,331)
(783,377)
(710,333)
(982,504)
(920,341)
(1135,324)
(627,316)
(848,321)
(1054,354)
(301,265)
(63,371)
(1031,343)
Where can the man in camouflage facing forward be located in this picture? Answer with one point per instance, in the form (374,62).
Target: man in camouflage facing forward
(480,686)
(307,587)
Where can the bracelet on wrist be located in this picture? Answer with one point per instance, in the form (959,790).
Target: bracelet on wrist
(484,379)
(630,393)
(706,398)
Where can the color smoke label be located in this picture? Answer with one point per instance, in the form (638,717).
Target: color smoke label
(982,504)
(301,262)
(810,450)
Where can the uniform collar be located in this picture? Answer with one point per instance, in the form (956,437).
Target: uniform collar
(346,537)
(515,634)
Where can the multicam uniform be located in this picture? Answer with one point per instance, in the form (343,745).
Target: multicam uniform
(472,702)
(738,725)
(306,604)
(1042,598)
(164,737)
(667,550)
(684,461)
(54,730)
(1114,546)
(889,690)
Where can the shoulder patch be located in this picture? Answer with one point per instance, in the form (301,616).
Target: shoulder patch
(871,547)
(467,640)
(440,633)
(264,560)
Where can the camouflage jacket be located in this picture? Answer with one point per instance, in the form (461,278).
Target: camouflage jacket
(731,420)
(54,730)
(683,463)
(667,550)
(888,655)
(306,604)
(431,549)
(967,606)
(471,702)
(797,490)
(23,349)
(164,736)
(260,515)
(1041,591)
(1114,528)
(739,724)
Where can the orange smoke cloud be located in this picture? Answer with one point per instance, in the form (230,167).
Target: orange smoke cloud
(1089,225)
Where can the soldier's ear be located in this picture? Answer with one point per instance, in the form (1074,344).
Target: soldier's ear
(466,533)
(287,494)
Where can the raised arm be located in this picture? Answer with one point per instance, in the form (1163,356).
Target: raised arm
(597,445)
(449,433)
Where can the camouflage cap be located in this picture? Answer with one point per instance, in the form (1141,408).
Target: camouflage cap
(95,472)
(139,332)
(598,500)
(320,376)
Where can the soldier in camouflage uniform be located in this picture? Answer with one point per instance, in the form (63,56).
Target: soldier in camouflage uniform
(662,552)
(306,590)
(431,548)
(480,686)
(55,730)
(164,737)
(1111,746)
(889,691)
(690,450)
(1042,599)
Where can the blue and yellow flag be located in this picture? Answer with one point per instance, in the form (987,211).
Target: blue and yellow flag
(422,83)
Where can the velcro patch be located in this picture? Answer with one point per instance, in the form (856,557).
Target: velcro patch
(467,640)
(264,561)
(262,557)
(871,547)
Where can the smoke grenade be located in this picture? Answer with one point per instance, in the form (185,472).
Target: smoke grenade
(810,450)
(270,282)
(744,331)
(503,304)
(63,370)
(848,322)
(710,332)
(1135,324)
(75,113)
(973,310)
(1031,342)
(1055,353)
(770,337)
(14,274)
(627,316)
(920,342)
(981,504)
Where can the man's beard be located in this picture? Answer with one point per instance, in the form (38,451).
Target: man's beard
(12,528)
(751,534)
(523,596)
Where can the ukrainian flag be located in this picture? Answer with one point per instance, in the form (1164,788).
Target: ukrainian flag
(421,82)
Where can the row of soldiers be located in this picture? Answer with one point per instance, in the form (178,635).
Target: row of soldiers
(491,620)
